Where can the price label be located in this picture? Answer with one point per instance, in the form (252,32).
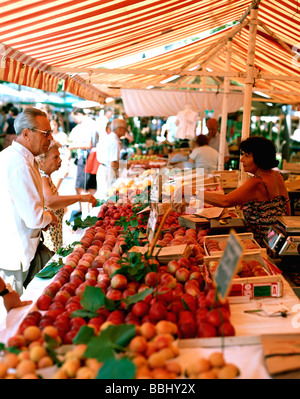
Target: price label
(228,265)
(155,191)
(152,221)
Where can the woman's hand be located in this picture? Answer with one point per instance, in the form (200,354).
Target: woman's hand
(88,198)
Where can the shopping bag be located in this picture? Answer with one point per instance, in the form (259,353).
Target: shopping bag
(92,163)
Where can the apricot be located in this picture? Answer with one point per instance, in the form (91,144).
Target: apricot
(173,366)
(138,344)
(23,355)
(163,340)
(93,364)
(160,373)
(85,373)
(151,348)
(156,359)
(216,359)
(71,366)
(37,352)
(79,350)
(143,373)
(30,376)
(228,371)
(139,360)
(207,375)
(60,375)
(200,366)
(32,333)
(11,359)
(11,376)
(45,361)
(25,366)
(3,370)
(165,327)
(51,331)
(147,330)
(167,353)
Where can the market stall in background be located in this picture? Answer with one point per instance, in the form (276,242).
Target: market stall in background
(142,289)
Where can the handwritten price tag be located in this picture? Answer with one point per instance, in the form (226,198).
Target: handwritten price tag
(228,265)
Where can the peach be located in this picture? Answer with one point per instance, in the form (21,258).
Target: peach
(25,366)
(32,333)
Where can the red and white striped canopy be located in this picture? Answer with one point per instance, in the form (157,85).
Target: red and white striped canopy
(42,41)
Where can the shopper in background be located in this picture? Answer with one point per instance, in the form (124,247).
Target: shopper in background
(102,121)
(22,201)
(65,153)
(50,162)
(83,137)
(108,154)
(204,156)
(264,196)
(214,137)
(11,299)
(8,128)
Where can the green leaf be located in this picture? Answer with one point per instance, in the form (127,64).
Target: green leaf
(82,224)
(84,335)
(50,270)
(119,336)
(117,369)
(92,299)
(137,297)
(83,313)
(111,340)
(99,348)
(64,251)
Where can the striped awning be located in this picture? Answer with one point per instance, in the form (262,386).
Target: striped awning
(45,41)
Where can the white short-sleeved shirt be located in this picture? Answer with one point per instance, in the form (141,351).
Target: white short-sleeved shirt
(108,149)
(22,207)
(205,157)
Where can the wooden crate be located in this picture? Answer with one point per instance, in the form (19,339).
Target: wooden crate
(291,166)
(228,178)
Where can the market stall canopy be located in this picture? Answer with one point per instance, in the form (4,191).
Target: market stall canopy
(168,103)
(45,41)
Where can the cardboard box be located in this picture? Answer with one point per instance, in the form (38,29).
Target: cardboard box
(224,238)
(254,287)
(193,222)
(291,166)
(228,178)
(165,254)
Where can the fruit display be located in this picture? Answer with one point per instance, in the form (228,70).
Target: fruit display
(100,284)
(213,246)
(146,161)
(214,367)
(249,268)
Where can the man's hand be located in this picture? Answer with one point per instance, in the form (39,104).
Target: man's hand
(12,300)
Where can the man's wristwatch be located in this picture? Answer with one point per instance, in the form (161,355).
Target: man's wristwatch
(4,292)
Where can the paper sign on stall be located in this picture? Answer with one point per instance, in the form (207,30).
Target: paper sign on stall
(228,265)
(154,199)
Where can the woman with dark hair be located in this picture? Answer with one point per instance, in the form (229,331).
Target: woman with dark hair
(262,197)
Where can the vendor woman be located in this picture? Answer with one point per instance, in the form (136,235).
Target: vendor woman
(262,197)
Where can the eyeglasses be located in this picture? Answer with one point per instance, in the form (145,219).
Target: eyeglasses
(45,133)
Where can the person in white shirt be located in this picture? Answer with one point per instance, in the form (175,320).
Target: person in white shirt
(83,137)
(102,120)
(214,137)
(108,154)
(22,202)
(203,156)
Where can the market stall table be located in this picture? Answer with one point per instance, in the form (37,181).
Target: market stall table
(244,349)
